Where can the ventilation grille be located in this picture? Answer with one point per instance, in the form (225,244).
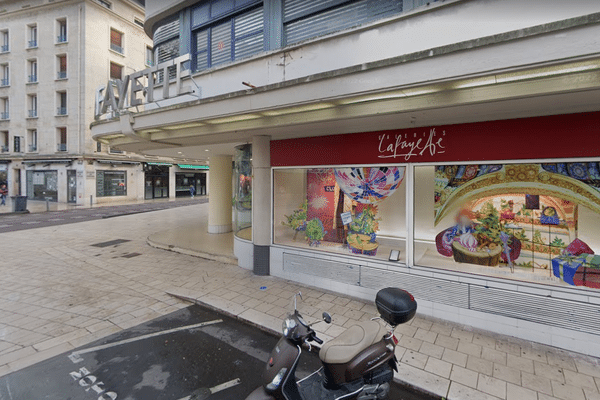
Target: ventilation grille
(339,272)
(540,309)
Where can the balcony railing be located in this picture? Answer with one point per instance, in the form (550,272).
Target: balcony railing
(61,111)
(4,82)
(32,43)
(32,78)
(4,115)
(32,113)
(4,149)
(4,48)
(116,48)
(62,74)
(61,147)
(61,39)
(32,148)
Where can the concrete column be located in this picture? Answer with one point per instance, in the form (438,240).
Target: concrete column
(261,203)
(219,203)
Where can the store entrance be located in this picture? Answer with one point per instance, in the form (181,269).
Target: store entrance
(156,182)
(71,186)
(187,179)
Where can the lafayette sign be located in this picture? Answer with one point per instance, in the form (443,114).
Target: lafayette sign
(139,88)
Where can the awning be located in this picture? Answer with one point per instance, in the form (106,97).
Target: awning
(117,162)
(61,161)
(188,166)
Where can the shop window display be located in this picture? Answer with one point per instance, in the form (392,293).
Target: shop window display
(358,210)
(532,222)
(242,199)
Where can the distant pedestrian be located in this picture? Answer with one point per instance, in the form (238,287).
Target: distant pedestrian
(192,191)
(3,194)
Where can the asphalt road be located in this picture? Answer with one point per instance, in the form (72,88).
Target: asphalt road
(164,359)
(16,222)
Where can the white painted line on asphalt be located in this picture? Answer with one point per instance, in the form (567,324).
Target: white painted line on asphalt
(75,357)
(202,393)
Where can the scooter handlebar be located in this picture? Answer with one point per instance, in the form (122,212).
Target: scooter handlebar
(314,337)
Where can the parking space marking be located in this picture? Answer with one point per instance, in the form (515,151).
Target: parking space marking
(201,394)
(75,357)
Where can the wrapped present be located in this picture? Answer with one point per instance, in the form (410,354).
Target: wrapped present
(577,247)
(565,267)
(589,273)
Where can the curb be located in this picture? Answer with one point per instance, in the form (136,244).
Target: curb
(193,253)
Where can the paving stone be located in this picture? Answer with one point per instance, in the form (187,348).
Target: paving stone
(447,342)
(469,348)
(591,394)
(567,392)
(425,335)
(419,378)
(491,385)
(588,368)
(455,357)
(522,364)
(537,383)
(432,350)
(414,359)
(534,354)
(462,334)
(410,343)
(480,365)
(494,356)
(438,367)
(561,360)
(461,392)
(515,392)
(507,374)
(549,371)
(579,380)
(464,376)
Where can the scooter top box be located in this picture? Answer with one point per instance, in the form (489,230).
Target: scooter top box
(396,306)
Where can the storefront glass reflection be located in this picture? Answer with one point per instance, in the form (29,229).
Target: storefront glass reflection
(242,199)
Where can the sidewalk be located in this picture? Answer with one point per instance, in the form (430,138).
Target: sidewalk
(39,206)
(74,284)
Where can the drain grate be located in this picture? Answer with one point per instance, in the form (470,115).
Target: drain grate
(111,243)
(131,255)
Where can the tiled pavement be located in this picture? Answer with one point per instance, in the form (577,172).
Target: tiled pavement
(57,291)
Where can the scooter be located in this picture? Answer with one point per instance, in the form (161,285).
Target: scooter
(358,364)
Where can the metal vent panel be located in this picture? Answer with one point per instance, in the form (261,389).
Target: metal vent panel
(436,290)
(539,309)
(339,272)
(167,30)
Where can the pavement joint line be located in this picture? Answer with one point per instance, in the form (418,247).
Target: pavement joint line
(75,356)
(201,394)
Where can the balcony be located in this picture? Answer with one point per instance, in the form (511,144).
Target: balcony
(61,147)
(61,38)
(33,148)
(116,48)
(4,149)
(4,48)
(32,44)
(32,79)
(4,115)
(61,111)
(32,113)
(62,75)
(4,82)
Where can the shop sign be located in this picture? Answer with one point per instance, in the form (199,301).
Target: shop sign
(556,136)
(123,93)
(90,174)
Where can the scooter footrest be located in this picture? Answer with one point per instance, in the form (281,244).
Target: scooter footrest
(312,388)
(380,376)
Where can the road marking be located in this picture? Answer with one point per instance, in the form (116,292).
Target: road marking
(75,357)
(202,393)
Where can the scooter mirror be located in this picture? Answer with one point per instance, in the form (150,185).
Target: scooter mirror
(327,318)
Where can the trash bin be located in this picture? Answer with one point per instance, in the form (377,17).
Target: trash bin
(19,203)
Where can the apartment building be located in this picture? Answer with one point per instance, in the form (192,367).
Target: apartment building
(53,57)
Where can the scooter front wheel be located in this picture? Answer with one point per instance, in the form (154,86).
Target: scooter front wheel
(260,394)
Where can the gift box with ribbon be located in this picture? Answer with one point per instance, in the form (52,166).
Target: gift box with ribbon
(565,267)
(589,273)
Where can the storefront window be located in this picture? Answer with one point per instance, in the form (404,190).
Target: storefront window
(42,185)
(359,211)
(185,180)
(242,199)
(111,183)
(532,222)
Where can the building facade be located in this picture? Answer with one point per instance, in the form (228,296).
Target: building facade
(54,55)
(448,148)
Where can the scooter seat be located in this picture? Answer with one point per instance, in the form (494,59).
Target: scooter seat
(348,344)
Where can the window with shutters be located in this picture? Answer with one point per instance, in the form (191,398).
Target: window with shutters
(61,61)
(116,71)
(165,52)
(61,27)
(116,40)
(306,19)
(225,31)
(61,139)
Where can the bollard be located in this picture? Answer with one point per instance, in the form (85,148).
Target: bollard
(91,201)
(47,204)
